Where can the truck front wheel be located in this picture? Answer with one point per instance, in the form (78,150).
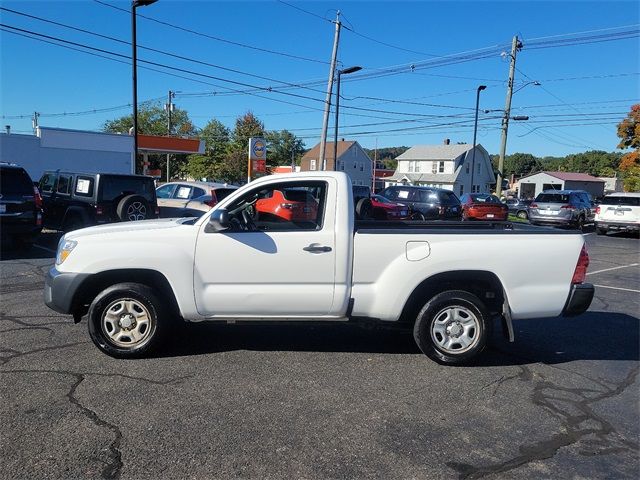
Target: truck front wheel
(452,327)
(126,320)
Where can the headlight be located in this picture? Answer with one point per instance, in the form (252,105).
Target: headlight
(64,249)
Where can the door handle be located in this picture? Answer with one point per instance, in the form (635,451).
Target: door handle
(315,248)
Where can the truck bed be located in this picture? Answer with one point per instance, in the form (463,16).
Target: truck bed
(453,227)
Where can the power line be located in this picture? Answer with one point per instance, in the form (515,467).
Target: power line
(218,39)
(587,31)
(163,52)
(306,11)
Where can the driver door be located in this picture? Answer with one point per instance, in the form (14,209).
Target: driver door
(277,260)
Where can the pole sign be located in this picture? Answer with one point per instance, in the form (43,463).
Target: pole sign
(257,158)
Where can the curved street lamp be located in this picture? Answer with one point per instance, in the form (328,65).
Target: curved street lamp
(344,71)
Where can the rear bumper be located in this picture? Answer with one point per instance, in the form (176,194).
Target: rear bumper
(621,226)
(60,289)
(579,299)
(548,220)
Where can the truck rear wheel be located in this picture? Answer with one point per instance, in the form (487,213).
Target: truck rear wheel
(127,320)
(453,327)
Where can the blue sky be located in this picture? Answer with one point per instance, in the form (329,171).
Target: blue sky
(592,83)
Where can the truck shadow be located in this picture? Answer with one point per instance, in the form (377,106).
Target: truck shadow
(591,336)
(44,247)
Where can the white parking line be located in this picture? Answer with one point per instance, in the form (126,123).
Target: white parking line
(618,288)
(44,248)
(614,268)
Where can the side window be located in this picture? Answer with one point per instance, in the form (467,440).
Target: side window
(64,184)
(291,206)
(197,192)
(46,182)
(84,186)
(165,191)
(183,192)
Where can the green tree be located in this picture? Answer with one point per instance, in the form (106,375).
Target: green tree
(246,126)
(217,139)
(281,145)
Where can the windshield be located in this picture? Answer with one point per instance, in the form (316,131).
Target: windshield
(485,198)
(15,181)
(552,198)
(625,201)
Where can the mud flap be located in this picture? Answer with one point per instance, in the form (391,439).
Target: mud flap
(507,324)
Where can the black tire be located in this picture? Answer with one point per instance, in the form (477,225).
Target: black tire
(601,231)
(580,223)
(364,209)
(522,214)
(418,216)
(103,331)
(430,338)
(132,208)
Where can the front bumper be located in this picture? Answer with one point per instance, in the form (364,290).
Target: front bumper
(579,299)
(60,289)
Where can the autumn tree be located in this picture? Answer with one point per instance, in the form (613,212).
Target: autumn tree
(246,126)
(629,134)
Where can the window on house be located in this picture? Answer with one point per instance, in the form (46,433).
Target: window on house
(355,164)
(434,167)
(467,168)
(479,167)
(461,189)
(312,164)
(362,166)
(441,167)
(417,166)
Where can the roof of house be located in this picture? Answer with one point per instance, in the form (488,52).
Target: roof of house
(569,176)
(314,153)
(435,152)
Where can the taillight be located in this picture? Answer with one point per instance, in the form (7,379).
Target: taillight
(580,272)
(598,210)
(39,219)
(568,207)
(533,205)
(37,196)
(288,206)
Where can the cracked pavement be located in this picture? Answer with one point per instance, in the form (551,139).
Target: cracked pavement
(321,402)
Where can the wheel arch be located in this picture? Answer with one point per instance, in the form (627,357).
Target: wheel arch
(484,284)
(96,283)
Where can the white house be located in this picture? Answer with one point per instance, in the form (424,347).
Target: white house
(531,185)
(445,166)
(352,159)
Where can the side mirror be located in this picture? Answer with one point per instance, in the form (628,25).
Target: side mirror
(218,221)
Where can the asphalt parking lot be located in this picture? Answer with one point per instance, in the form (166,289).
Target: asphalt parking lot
(322,402)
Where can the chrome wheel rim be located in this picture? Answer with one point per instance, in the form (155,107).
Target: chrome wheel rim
(522,215)
(136,211)
(455,330)
(127,323)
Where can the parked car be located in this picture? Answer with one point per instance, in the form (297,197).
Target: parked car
(429,202)
(136,280)
(362,201)
(618,212)
(290,205)
(188,199)
(75,200)
(569,208)
(385,209)
(20,206)
(482,206)
(519,207)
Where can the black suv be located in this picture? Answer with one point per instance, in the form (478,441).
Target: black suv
(77,200)
(20,206)
(427,202)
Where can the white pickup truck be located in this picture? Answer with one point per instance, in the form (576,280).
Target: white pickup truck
(288,248)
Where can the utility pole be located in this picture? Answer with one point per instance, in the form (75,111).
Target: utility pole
(515,46)
(293,157)
(327,102)
(169,107)
(34,121)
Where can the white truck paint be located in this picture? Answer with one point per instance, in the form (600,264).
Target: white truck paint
(372,270)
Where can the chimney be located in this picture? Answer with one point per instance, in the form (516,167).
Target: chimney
(8,129)
(447,141)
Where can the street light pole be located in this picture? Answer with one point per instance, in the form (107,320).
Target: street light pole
(344,71)
(135,4)
(475,131)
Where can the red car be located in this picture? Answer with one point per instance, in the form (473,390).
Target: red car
(290,205)
(482,206)
(385,209)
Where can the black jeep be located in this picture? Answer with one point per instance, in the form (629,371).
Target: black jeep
(77,200)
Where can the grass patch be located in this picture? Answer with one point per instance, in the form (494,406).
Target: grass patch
(513,218)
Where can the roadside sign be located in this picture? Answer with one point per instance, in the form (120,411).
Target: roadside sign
(257,158)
